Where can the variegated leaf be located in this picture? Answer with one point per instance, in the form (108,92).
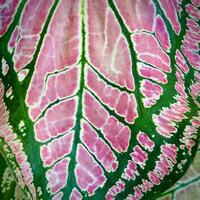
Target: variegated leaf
(98,99)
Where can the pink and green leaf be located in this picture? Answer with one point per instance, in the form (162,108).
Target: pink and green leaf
(98,99)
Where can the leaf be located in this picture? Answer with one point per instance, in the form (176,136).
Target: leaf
(187,186)
(98,99)
(8,187)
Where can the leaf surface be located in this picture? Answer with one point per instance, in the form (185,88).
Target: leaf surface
(99,99)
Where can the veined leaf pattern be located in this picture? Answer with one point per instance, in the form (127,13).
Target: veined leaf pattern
(187,186)
(98,99)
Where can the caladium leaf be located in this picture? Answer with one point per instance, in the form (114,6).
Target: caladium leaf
(9,188)
(6,182)
(188,186)
(99,99)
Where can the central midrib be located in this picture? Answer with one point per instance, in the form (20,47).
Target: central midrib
(71,181)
